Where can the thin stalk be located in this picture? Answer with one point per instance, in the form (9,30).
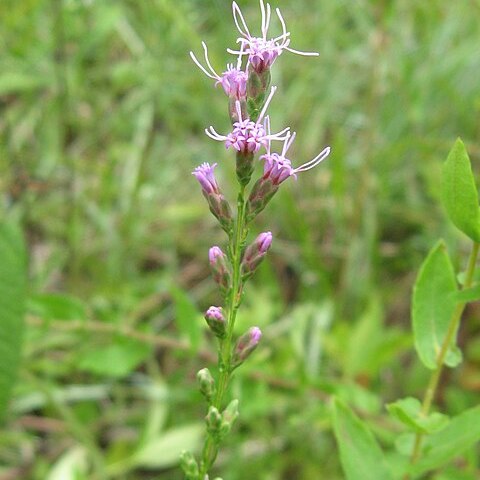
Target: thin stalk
(210,448)
(449,337)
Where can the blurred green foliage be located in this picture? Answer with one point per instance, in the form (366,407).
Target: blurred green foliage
(102,118)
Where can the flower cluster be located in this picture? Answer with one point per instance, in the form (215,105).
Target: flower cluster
(246,83)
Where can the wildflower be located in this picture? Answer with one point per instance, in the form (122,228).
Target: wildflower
(247,137)
(277,168)
(219,268)
(216,321)
(215,198)
(262,52)
(255,253)
(233,80)
(246,344)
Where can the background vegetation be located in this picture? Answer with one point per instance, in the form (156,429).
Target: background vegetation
(102,118)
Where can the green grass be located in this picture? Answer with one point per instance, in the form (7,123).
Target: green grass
(102,118)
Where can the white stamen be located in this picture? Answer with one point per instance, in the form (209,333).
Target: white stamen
(280,135)
(267,23)
(214,76)
(282,21)
(313,163)
(267,102)
(238,108)
(236,11)
(266,125)
(262,8)
(305,54)
(240,55)
(204,45)
(210,132)
(289,140)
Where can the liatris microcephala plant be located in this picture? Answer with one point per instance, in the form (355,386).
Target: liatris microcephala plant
(247,86)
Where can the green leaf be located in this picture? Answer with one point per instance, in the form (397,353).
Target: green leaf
(117,360)
(55,306)
(12,307)
(462,432)
(468,295)
(360,454)
(408,411)
(433,303)
(164,451)
(72,465)
(459,192)
(189,319)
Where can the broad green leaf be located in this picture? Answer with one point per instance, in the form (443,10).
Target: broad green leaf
(12,307)
(164,451)
(459,192)
(408,411)
(56,306)
(461,433)
(189,319)
(117,360)
(433,303)
(360,454)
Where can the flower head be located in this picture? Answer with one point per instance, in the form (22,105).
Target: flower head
(277,167)
(262,52)
(233,80)
(216,321)
(248,136)
(206,177)
(246,344)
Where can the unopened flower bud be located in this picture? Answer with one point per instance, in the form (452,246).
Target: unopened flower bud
(229,415)
(262,192)
(206,383)
(244,167)
(213,420)
(189,465)
(255,253)
(246,344)
(216,321)
(219,268)
(219,206)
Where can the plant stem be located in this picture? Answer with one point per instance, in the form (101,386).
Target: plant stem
(236,241)
(449,337)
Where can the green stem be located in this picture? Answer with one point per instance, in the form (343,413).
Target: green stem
(236,241)
(449,337)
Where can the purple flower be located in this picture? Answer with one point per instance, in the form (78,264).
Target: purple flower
(215,313)
(262,52)
(215,255)
(277,167)
(233,80)
(216,321)
(255,253)
(255,335)
(219,268)
(204,174)
(246,344)
(264,241)
(247,136)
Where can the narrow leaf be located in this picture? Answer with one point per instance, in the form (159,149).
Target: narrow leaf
(408,411)
(459,192)
(433,303)
(360,454)
(461,433)
(12,306)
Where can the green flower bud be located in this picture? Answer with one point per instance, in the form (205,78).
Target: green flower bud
(206,383)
